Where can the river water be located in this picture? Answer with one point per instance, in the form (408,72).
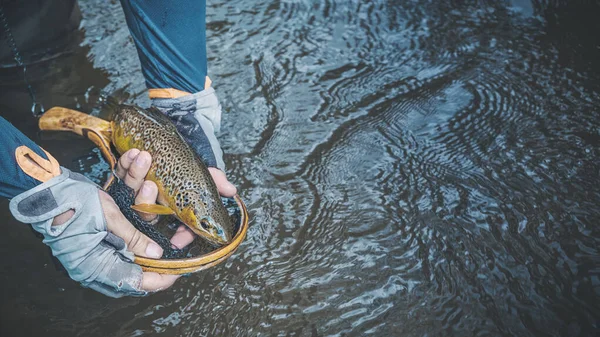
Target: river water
(412,168)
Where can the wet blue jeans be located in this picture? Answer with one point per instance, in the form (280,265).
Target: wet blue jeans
(170,37)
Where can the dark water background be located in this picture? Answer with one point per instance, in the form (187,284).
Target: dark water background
(412,168)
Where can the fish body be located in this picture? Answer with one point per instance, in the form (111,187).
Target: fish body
(183,180)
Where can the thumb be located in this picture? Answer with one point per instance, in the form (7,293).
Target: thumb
(225,188)
(136,241)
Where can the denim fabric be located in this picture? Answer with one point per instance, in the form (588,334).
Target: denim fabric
(170,37)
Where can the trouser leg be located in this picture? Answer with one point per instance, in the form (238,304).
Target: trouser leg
(170,37)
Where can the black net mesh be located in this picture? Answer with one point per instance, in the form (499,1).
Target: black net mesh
(160,232)
(124,197)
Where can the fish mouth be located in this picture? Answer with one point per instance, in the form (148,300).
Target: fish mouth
(221,240)
(213,238)
(212,232)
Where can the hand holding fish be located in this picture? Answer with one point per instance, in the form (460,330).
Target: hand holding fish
(187,189)
(90,236)
(132,168)
(197,117)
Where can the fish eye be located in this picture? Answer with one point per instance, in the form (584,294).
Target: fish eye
(204,224)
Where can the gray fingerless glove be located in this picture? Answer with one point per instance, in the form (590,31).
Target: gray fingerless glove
(91,255)
(197,118)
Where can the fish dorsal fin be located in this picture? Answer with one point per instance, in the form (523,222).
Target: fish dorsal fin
(155,113)
(153,209)
(156,116)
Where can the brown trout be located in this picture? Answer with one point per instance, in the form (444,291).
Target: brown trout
(185,186)
(184,183)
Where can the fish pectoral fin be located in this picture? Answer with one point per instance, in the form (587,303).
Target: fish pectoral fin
(153,209)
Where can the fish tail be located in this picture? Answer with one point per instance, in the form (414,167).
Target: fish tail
(111,105)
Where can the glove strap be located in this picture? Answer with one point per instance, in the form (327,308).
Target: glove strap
(173,93)
(35,166)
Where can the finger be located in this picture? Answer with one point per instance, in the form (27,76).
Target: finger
(125,162)
(147,195)
(155,282)
(63,217)
(138,170)
(183,237)
(225,188)
(137,243)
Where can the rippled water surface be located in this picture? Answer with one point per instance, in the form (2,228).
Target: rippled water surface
(412,168)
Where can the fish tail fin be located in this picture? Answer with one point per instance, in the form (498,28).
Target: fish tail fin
(110,106)
(111,103)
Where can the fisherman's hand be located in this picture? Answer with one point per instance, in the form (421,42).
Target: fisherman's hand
(132,168)
(89,235)
(197,118)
